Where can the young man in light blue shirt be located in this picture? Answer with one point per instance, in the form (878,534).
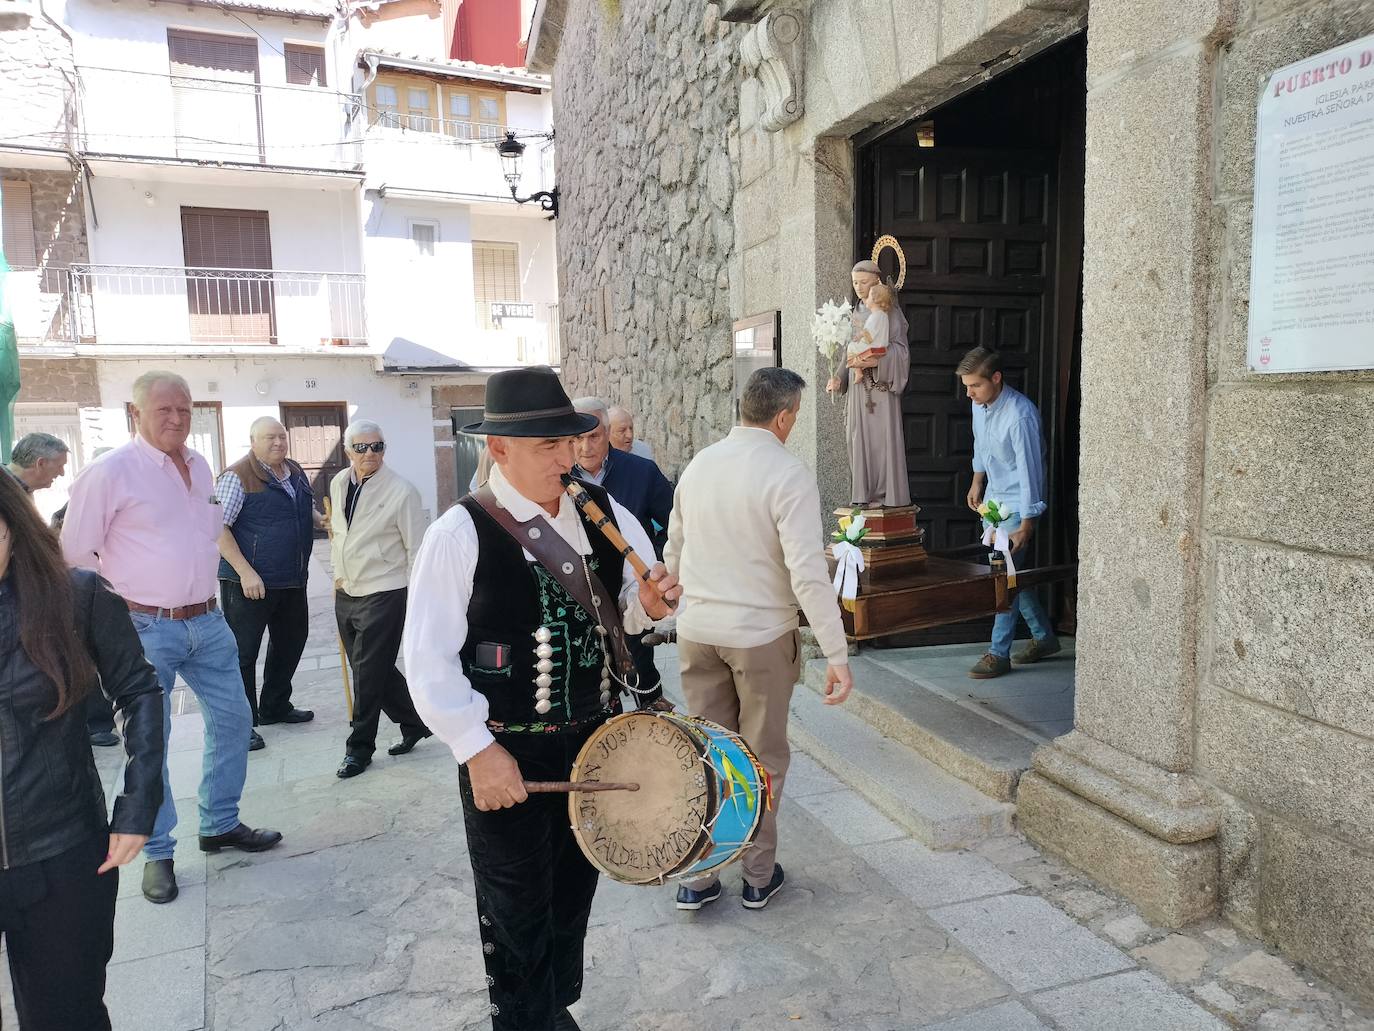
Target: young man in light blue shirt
(1009,468)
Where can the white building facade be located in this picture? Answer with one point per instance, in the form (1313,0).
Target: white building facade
(301,211)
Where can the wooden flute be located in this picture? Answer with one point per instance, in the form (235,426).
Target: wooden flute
(603,523)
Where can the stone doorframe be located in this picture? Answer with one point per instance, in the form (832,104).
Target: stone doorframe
(1115,796)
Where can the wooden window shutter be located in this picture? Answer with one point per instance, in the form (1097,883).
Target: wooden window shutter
(495,277)
(195,53)
(214,238)
(304,65)
(16,232)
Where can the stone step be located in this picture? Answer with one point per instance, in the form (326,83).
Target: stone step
(937,809)
(961,741)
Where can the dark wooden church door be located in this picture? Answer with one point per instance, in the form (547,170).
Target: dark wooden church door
(985,195)
(977,228)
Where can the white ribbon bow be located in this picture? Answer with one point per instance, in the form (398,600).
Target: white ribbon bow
(849,563)
(997,539)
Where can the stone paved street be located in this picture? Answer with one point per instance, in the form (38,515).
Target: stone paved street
(364,920)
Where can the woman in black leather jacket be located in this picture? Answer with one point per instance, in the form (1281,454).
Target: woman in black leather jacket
(59,629)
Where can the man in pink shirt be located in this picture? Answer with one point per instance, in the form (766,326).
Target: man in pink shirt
(147,519)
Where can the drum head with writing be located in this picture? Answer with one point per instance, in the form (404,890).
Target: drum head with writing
(643,836)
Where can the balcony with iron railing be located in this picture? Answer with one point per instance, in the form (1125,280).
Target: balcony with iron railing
(152,116)
(453,156)
(166,306)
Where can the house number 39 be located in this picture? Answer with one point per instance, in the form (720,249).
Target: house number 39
(310,384)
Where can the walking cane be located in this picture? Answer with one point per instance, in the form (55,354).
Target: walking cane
(343,655)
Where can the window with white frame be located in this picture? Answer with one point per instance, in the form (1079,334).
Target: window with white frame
(388,105)
(424,235)
(495,277)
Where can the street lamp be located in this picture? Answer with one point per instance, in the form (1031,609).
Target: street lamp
(511,151)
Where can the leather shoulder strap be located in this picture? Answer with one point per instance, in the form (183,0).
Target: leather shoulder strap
(564,564)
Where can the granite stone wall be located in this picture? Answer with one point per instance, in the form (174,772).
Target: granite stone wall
(1285,704)
(59,229)
(646,103)
(37,81)
(37,96)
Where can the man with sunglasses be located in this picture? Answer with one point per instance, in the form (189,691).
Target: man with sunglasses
(377,527)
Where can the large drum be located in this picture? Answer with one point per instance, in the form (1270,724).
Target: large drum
(700,799)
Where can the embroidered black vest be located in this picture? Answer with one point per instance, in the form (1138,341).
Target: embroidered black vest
(511,600)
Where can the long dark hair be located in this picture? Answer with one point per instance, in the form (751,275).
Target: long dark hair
(43,587)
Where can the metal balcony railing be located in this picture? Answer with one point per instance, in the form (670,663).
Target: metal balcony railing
(150,115)
(169,306)
(391,120)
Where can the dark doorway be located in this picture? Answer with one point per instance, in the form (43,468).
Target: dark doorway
(467,449)
(315,440)
(985,196)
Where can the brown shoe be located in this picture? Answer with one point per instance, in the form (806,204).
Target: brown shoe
(1036,649)
(990,666)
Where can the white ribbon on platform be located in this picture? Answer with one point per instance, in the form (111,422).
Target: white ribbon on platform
(849,563)
(997,539)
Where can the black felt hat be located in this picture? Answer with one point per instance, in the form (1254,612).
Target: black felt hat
(530,403)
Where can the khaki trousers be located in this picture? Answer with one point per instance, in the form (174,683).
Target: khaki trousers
(747,690)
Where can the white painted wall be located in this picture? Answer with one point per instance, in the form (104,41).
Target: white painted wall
(311,229)
(400,405)
(134,36)
(538,276)
(418,35)
(422,311)
(128,103)
(139,224)
(418,307)
(432,161)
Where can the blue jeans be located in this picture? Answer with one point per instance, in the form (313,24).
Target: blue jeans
(203,651)
(1023,603)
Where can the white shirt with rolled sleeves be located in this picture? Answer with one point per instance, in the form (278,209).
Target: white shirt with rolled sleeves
(437,613)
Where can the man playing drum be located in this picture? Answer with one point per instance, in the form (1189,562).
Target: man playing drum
(514,674)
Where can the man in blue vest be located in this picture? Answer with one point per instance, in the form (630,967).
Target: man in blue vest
(269,524)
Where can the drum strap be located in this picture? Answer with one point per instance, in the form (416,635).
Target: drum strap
(566,566)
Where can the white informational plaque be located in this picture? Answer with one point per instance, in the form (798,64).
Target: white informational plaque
(1312,259)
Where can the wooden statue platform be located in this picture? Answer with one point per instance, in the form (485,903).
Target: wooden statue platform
(902,588)
(945,591)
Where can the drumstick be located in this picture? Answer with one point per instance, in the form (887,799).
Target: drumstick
(603,523)
(536,787)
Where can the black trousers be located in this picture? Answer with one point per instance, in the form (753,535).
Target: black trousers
(371,629)
(284,615)
(643,656)
(57,917)
(534,889)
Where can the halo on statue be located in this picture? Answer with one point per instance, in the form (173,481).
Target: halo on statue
(884,243)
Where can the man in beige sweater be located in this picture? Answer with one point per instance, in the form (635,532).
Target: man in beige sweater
(745,540)
(377,525)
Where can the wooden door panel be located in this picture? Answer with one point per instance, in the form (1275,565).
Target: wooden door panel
(976,227)
(315,434)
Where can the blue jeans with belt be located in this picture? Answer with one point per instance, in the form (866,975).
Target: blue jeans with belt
(204,652)
(1024,603)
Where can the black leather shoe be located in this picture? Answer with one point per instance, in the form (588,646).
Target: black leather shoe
(564,1021)
(159,881)
(351,767)
(243,838)
(255,742)
(289,716)
(104,739)
(406,743)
